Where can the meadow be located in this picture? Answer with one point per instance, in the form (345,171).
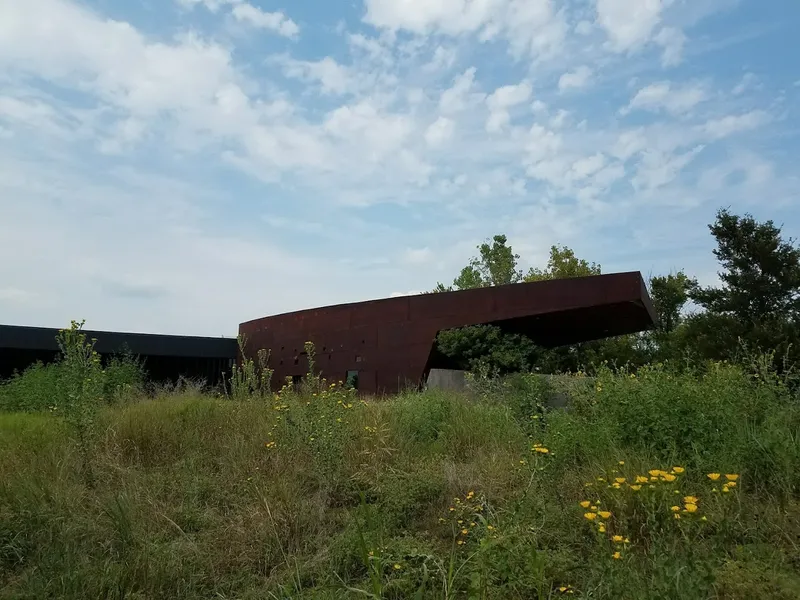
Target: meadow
(662,483)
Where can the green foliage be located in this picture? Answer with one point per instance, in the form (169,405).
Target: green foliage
(81,385)
(670,293)
(249,377)
(563,264)
(427,495)
(46,387)
(480,346)
(761,271)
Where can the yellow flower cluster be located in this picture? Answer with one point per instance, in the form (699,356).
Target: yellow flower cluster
(653,477)
(539,449)
(566,589)
(730,483)
(601,518)
(465,515)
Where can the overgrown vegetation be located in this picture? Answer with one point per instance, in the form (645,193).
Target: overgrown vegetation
(658,484)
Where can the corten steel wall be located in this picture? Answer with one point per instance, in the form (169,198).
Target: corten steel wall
(389,342)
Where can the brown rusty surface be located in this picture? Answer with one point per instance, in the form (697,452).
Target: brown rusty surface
(389,341)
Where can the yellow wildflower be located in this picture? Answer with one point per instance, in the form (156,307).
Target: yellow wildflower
(655,472)
(617,539)
(690,500)
(622,462)
(641,479)
(636,488)
(601,528)
(617,555)
(713,476)
(729,484)
(725,488)
(678,470)
(675,508)
(585,503)
(397,567)
(541,450)
(619,479)
(731,477)
(590,515)
(691,508)
(669,477)
(677,516)
(464,531)
(605,514)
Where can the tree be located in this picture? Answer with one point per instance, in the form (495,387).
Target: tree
(670,293)
(761,271)
(563,264)
(496,264)
(486,345)
(758,303)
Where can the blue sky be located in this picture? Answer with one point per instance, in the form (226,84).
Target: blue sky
(180,166)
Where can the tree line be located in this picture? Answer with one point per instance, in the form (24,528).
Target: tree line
(754,309)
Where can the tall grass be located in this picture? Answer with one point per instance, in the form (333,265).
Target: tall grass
(316,493)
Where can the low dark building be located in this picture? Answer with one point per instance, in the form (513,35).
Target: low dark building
(165,357)
(387,344)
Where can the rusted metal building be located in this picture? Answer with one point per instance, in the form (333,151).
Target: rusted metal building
(388,344)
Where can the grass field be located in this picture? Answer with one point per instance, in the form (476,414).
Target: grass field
(658,485)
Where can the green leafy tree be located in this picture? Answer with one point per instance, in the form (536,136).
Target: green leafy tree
(486,346)
(761,271)
(563,264)
(758,302)
(669,294)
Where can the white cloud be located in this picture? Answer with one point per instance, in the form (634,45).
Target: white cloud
(589,165)
(732,124)
(271,21)
(672,41)
(657,169)
(575,79)
(675,100)
(748,81)
(583,28)
(333,77)
(440,131)
(531,27)
(629,143)
(443,59)
(501,100)
(248,14)
(458,96)
(629,24)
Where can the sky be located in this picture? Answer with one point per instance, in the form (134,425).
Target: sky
(181,166)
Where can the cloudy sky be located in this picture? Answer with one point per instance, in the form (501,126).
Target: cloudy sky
(180,166)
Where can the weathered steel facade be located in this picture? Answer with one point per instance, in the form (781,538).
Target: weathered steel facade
(389,343)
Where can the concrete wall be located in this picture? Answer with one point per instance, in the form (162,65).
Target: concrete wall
(446,379)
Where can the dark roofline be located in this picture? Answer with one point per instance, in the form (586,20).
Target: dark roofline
(110,342)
